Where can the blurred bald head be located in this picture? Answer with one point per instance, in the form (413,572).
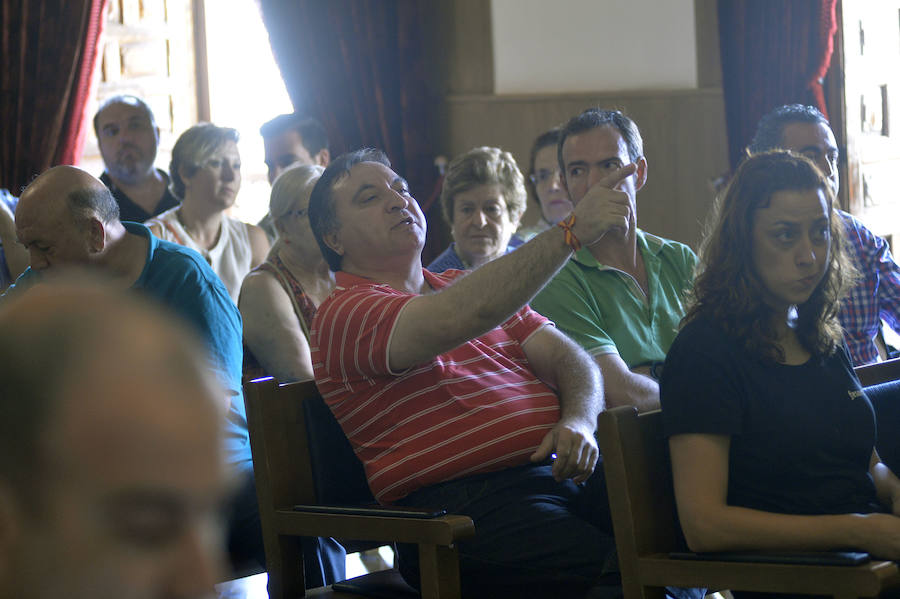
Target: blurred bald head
(63,217)
(111,463)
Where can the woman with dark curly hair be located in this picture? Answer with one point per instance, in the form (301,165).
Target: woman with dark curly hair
(771,436)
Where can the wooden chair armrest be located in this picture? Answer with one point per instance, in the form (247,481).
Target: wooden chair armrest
(864,580)
(444,530)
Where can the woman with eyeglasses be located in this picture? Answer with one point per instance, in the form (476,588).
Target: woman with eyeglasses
(279,298)
(547,185)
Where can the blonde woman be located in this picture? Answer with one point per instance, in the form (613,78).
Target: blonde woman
(279,298)
(206,177)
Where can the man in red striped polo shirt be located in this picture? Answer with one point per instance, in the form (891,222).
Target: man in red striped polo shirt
(453,393)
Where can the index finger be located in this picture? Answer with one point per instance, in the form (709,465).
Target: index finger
(611,180)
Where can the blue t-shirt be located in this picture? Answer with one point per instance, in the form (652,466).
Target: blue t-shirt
(180,279)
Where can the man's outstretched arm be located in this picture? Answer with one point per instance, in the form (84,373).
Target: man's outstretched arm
(435,323)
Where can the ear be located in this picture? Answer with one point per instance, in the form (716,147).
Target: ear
(640,175)
(97,235)
(183,173)
(333,241)
(323,157)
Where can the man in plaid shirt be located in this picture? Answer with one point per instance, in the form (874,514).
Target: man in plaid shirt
(876,296)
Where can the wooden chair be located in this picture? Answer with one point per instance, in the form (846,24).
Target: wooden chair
(641,498)
(294,467)
(880,372)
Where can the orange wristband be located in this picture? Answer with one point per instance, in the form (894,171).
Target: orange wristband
(566,225)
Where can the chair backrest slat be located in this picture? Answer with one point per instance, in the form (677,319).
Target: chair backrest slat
(639,479)
(880,372)
(281,457)
(300,453)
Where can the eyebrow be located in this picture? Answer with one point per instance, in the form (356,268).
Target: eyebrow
(369,186)
(361,191)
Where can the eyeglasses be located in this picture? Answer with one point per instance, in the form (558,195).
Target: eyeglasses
(544,176)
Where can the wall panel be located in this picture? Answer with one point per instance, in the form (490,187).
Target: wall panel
(684,142)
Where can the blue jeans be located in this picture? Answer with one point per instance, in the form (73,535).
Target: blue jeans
(534,535)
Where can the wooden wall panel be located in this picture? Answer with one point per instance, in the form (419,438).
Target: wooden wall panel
(684,142)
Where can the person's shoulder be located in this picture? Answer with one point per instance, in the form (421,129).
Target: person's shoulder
(702,333)
(157,224)
(663,245)
(175,260)
(446,260)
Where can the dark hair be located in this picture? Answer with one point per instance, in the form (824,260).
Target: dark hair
(128,100)
(547,138)
(193,148)
(769,131)
(727,289)
(322,215)
(312,133)
(592,118)
(97,199)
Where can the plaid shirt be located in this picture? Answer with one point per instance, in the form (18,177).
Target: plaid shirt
(875,297)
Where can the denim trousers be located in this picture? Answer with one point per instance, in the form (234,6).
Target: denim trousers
(534,536)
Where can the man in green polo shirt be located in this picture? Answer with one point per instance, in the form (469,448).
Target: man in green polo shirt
(621,297)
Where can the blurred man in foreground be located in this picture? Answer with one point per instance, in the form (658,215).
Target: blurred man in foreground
(111,453)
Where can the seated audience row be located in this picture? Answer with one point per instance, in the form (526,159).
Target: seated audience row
(455,394)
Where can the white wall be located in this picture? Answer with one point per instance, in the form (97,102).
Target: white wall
(543,46)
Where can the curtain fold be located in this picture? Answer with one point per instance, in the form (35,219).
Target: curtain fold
(773,52)
(359,67)
(49,50)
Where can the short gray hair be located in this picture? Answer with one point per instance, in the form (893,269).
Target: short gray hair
(87,201)
(485,166)
(193,148)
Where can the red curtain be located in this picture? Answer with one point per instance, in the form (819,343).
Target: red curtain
(50,51)
(773,52)
(359,67)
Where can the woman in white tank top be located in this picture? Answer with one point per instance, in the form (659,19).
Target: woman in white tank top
(206,177)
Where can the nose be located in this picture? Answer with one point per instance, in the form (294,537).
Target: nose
(555,181)
(806,252)
(478,218)
(398,201)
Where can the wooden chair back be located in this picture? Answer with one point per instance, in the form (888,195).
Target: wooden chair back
(301,456)
(880,372)
(642,502)
(639,482)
